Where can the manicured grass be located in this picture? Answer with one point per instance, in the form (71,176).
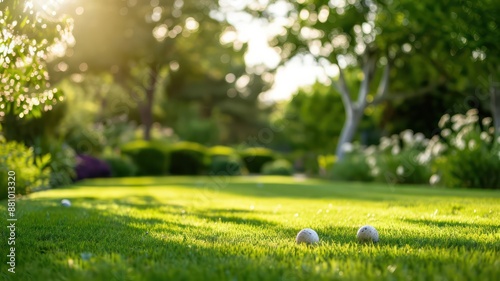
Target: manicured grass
(241,228)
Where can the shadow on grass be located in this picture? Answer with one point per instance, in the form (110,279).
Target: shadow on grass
(85,243)
(454,224)
(209,187)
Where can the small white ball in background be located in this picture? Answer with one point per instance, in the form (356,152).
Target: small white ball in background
(66,203)
(307,236)
(367,233)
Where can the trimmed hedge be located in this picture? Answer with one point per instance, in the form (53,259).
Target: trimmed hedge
(187,158)
(225,165)
(281,167)
(220,150)
(150,158)
(121,166)
(256,157)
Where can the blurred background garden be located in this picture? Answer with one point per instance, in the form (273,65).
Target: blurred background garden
(398,92)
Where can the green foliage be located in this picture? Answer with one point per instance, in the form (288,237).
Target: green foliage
(254,158)
(99,114)
(220,150)
(471,168)
(121,166)
(177,77)
(193,128)
(313,119)
(397,159)
(224,238)
(225,165)
(85,140)
(30,130)
(468,153)
(29,33)
(311,164)
(224,161)
(19,159)
(353,167)
(187,158)
(278,167)
(325,164)
(60,161)
(150,158)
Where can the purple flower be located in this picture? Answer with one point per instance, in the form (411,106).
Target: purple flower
(91,167)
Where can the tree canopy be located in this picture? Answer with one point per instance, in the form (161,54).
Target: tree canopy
(31,33)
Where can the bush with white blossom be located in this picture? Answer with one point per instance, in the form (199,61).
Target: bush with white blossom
(466,153)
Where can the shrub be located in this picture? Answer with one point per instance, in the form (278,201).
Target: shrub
(471,168)
(325,164)
(85,140)
(150,158)
(225,165)
(60,160)
(311,164)
(187,158)
(352,168)
(121,166)
(19,159)
(223,160)
(255,158)
(467,153)
(278,167)
(90,167)
(220,150)
(397,159)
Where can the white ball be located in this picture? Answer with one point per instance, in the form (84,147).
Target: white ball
(367,233)
(66,203)
(307,236)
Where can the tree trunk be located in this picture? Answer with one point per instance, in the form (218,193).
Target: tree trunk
(147,106)
(348,130)
(495,105)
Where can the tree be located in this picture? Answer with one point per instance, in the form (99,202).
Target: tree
(475,32)
(313,119)
(146,44)
(30,35)
(385,40)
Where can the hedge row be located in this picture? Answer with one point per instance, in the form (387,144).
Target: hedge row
(186,158)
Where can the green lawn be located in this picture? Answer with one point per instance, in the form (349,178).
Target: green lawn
(244,228)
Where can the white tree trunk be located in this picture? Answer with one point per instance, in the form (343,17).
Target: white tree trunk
(349,130)
(354,110)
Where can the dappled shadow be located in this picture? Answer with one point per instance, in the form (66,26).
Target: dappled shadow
(418,242)
(123,245)
(455,224)
(232,216)
(271,187)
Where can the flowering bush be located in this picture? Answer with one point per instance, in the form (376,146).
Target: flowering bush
(397,159)
(90,167)
(467,153)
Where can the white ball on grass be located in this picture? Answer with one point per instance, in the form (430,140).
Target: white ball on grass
(367,234)
(307,236)
(66,203)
